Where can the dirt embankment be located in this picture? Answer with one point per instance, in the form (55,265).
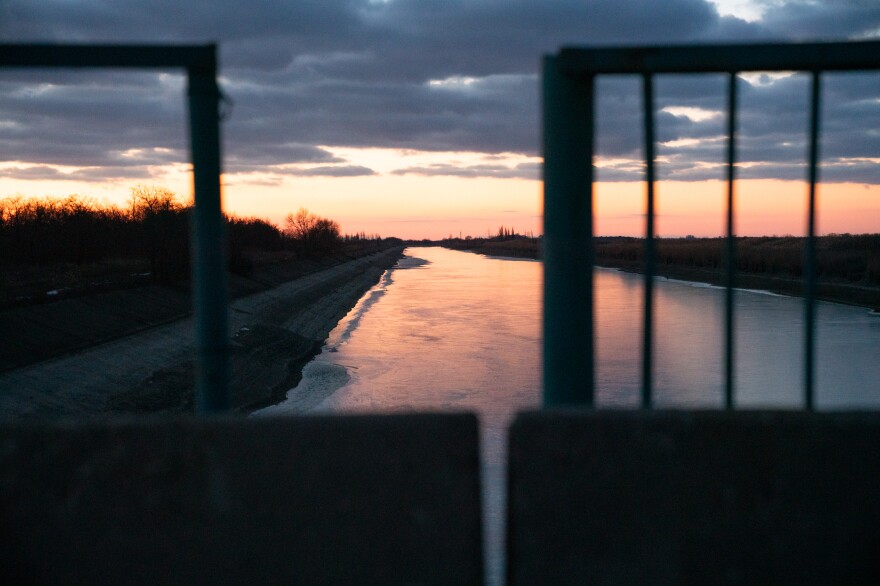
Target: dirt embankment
(273,334)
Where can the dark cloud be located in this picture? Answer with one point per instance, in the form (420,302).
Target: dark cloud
(47,173)
(332,171)
(520,171)
(809,20)
(772,127)
(86,119)
(256,154)
(453,75)
(36,172)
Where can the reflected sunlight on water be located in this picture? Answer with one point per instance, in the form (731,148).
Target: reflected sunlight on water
(451,330)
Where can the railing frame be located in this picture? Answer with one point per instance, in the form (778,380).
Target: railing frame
(207,238)
(568,110)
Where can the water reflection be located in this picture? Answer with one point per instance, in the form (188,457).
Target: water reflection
(452,330)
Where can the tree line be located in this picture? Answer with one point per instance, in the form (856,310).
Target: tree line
(851,258)
(154,227)
(507,242)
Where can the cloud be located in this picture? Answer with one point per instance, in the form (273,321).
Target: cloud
(519,171)
(808,19)
(256,154)
(355,73)
(43,172)
(49,173)
(772,126)
(332,171)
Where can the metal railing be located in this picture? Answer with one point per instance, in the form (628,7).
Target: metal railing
(207,231)
(568,143)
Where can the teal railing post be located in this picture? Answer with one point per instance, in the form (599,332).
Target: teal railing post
(650,246)
(730,248)
(208,239)
(810,248)
(568,231)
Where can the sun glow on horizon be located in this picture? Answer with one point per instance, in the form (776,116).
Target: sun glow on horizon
(416,194)
(763,207)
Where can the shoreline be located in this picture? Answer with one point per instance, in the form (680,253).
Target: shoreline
(274,334)
(843,293)
(835,292)
(71,324)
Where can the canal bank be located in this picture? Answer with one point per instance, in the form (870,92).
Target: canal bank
(273,333)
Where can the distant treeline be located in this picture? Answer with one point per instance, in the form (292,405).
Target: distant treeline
(153,229)
(842,258)
(506,242)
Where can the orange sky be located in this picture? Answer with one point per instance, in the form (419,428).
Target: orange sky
(763,207)
(416,206)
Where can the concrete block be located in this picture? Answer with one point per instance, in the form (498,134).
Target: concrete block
(310,500)
(608,497)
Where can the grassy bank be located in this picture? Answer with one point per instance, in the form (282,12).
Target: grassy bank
(848,266)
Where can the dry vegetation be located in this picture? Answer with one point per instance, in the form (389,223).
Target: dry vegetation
(848,266)
(844,258)
(507,242)
(77,244)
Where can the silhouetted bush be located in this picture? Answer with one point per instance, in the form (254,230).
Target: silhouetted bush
(246,235)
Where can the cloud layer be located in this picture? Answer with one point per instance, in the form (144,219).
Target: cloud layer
(458,75)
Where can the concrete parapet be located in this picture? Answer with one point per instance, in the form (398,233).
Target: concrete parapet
(685,497)
(309,500)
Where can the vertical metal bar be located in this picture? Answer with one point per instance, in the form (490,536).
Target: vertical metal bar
(647,381)
(208,241)
(568,231)
(810,249)
(731,244)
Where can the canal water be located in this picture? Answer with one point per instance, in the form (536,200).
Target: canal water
(450,330)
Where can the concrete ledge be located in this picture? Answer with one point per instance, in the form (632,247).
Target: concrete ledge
(323,500)
(694,497)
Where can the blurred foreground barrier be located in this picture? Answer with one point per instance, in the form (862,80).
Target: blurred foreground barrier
(694,497)
(310,500)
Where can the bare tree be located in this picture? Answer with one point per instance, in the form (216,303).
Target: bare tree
(151,200)
(315,235)
(300,224)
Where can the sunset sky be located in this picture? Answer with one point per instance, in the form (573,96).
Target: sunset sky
(421,118)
